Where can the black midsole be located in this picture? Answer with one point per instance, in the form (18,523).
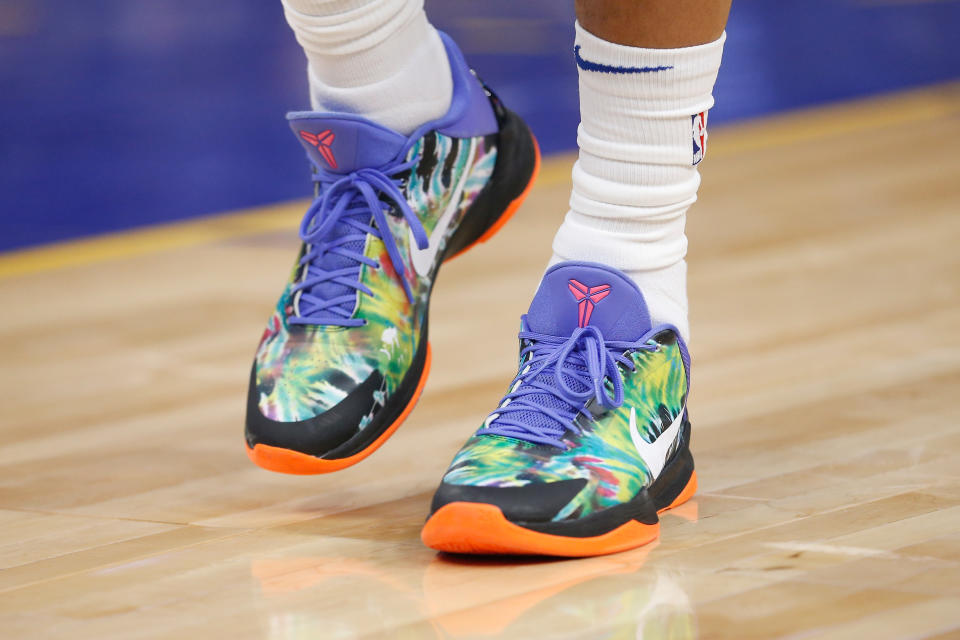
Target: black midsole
(516,160)
(393,408)
(642,508)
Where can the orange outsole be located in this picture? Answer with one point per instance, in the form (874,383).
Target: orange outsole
(511,208)
(296,463)
(473,527)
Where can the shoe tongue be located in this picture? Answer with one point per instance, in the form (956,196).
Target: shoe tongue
(580,294)
(342,143)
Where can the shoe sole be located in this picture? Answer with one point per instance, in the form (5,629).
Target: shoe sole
(481,528)
(294,462)
(297,463)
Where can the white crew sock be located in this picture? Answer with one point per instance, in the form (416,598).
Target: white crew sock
(380,59)
(636,175)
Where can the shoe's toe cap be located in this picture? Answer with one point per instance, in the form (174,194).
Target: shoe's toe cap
(532,502)
(319,435)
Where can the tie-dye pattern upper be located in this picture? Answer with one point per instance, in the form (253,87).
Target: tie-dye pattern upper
(603,453)
(303,370)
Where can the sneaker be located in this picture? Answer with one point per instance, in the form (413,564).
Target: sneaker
(345,353)
(592,439)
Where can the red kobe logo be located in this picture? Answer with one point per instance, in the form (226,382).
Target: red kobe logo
(699,127)
(587,298)
(322,142)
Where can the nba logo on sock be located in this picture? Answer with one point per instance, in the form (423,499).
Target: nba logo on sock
(699,128)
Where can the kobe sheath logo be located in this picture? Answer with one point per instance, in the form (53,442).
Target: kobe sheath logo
(654,454)
(587,298)
(322,142)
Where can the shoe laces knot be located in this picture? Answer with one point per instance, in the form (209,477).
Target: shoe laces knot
(588,343)
(334,229)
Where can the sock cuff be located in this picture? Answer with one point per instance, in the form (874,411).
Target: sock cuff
(325,7)
(345,27)
(676,81)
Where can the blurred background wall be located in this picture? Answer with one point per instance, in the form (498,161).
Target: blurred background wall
(116,114)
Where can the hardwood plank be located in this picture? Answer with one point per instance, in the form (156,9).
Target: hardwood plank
(825,289)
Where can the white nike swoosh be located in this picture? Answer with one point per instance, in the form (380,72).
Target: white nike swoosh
(654,454)
(422,259)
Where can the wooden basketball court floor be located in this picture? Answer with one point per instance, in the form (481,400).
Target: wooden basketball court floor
(825,289)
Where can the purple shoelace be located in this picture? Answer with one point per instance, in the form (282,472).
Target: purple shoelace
(335,229)
(557,378)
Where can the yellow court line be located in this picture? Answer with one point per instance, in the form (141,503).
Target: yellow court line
(152,239)
(836,120)
(778,131)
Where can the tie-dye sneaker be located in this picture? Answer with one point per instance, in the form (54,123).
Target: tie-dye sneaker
(592,439)
(345,354)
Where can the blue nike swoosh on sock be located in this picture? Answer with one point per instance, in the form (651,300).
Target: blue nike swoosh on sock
(586,65)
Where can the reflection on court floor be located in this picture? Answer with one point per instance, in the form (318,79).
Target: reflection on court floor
(603,598)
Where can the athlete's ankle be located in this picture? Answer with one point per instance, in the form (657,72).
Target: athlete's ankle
(380,59)
(642,135)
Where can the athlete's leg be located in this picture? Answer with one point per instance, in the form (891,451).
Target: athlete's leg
(647,70)
(654,24)
(592,439)
(378,58)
